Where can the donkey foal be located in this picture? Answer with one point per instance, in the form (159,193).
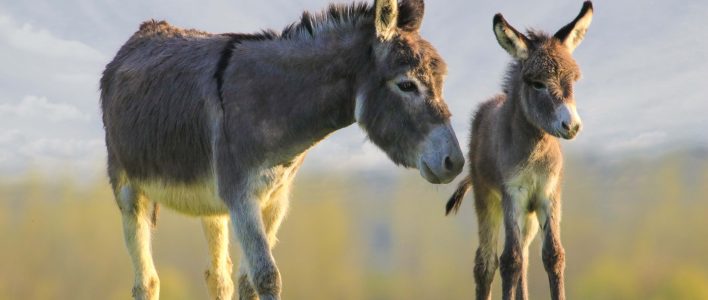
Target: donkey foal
(515,157)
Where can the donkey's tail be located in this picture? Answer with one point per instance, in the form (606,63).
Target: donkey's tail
(453,205)
(155,212)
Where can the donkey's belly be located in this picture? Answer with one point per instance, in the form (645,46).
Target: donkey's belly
(198,199)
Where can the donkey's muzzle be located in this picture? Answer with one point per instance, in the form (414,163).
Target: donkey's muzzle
(441,159)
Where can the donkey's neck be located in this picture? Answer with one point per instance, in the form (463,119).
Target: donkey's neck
(302,87)
(328,67)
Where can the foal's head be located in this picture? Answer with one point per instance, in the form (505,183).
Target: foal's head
(400,104)
(547,72)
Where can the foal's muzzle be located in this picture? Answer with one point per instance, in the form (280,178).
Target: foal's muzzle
(441,159)
(568,122)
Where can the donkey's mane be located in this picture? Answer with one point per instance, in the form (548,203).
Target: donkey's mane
(336,15)
(309,25)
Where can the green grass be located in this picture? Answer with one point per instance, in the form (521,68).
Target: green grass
(635,229)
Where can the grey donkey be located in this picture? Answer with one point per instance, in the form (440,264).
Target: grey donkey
(217,125)
(515,157)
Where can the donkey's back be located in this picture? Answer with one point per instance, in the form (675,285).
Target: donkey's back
(156,96)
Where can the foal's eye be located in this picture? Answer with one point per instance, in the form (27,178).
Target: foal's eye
(538,85)
(407,86)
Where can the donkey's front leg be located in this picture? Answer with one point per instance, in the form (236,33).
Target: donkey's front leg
(273,213)
(553,254)
(264,275)
(511,260)
(245,288)
(136,230)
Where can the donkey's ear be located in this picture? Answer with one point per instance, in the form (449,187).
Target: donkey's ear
(572,34)
(386,18)
(410,14)
(514,42)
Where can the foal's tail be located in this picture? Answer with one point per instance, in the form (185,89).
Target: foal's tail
(453,205)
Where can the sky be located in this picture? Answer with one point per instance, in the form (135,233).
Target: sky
(644,88)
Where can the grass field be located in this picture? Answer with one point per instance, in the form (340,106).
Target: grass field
(633,229)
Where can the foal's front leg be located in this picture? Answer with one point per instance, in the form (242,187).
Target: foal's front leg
(553,254)
(511,260)
(529,227)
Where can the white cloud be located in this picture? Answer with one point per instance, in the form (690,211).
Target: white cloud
(10,137)
(64,148)
(642,141)
(33,106)
(641,92)
(41,41)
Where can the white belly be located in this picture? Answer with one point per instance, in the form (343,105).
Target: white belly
(197,199)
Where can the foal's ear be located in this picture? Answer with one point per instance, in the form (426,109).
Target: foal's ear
(514,42)
(410,14)
(572,34)
(386,18)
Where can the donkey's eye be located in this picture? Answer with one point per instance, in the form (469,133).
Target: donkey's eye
(538,85)
(407,86)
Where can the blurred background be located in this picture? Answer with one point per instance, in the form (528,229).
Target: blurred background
(635,205)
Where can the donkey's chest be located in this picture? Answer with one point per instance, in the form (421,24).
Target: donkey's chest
(197,199)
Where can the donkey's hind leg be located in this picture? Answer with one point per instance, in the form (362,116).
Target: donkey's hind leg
(136,228)
(489,217)
(218,276)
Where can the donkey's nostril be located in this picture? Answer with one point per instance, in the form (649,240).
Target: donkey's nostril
(448,163)
(565,125)
(576,128)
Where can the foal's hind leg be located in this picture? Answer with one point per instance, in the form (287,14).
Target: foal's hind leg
(218,276)
(136,229)
(488,218)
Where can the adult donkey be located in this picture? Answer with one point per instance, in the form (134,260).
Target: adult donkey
(216,125)
(515,157)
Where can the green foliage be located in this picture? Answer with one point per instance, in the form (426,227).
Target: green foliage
(632,230)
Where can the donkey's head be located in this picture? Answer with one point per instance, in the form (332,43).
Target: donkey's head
(400,103)
(547,72)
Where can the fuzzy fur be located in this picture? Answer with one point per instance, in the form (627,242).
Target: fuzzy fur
(217,125)
(516,161)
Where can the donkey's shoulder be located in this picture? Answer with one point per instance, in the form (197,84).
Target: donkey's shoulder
(153,25)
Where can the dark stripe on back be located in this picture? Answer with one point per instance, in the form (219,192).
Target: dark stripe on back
(227,52)
(224,62)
